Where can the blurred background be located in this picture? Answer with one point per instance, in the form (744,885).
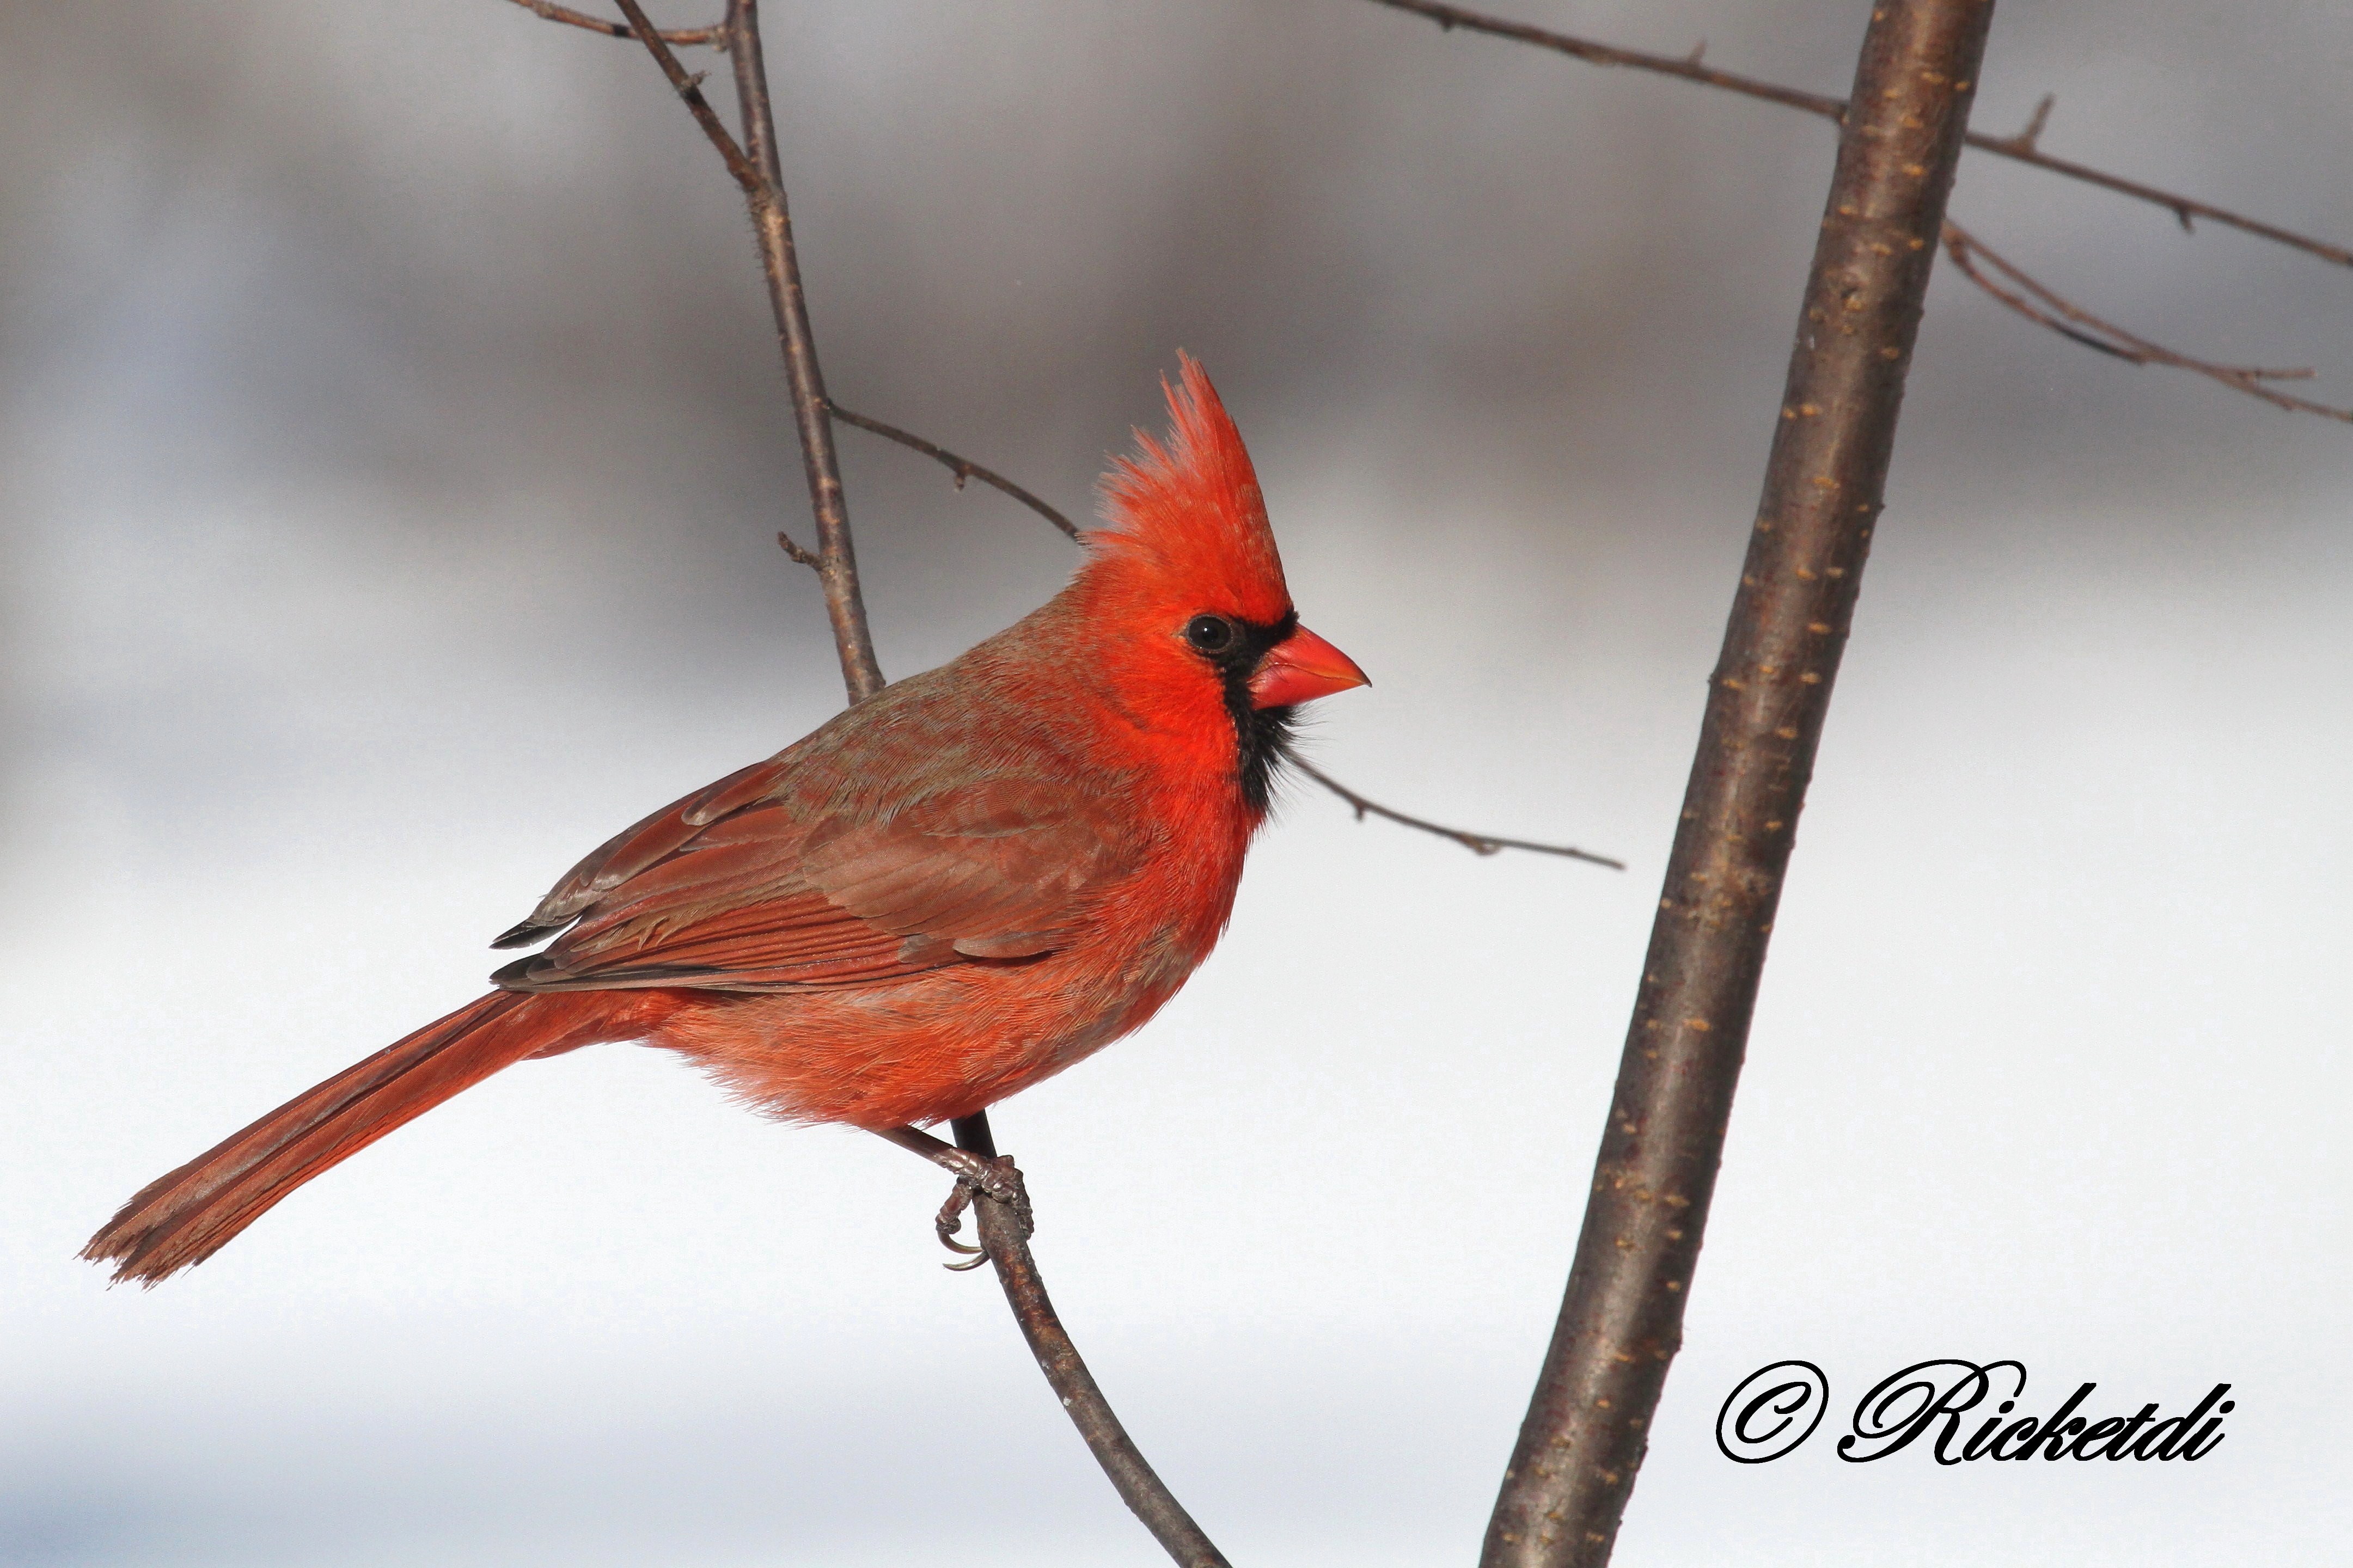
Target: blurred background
(392,443)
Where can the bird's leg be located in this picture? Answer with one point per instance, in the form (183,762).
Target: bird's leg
(996,1178)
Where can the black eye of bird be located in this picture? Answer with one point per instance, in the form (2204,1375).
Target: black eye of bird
(1210,634)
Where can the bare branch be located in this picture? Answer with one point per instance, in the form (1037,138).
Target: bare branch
(685,37)
(1687,66)
(689,85)
(845,604)
(1588,1421)
(1137,1484)
(2039,304)
(755,172)
(2025,139)
(962,468)
(1477,843)
(1003,1237)
(2021,148)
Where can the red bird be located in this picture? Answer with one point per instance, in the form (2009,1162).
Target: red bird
(944,894)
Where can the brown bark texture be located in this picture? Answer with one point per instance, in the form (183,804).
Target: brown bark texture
(1620,1323)
(1004,1236)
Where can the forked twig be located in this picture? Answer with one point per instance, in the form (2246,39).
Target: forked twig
(2026,140)
(685,37)
(753,165)
(2037,303)
(1477,843)
(2021,148)
(687,84)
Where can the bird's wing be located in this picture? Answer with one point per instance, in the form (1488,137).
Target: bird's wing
(644,844)
(748,887)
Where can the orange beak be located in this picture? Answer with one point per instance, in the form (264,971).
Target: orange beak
(1299,668)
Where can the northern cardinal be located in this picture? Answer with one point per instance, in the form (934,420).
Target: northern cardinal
(948,892)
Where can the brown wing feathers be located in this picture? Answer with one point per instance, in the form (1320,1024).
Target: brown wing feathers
(734,889)
(639,845)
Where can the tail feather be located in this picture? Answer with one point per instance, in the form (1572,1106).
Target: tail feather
(187,1217)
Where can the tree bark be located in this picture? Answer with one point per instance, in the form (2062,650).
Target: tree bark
(1620,1323)
(837,555)
(1004,1236)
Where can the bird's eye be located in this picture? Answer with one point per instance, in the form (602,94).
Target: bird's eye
(1210,634)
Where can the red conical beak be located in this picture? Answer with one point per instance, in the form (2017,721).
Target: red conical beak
(1299,668)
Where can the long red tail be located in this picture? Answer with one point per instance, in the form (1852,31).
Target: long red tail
(190,1214)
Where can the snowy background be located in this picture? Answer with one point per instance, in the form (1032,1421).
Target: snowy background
(391,447)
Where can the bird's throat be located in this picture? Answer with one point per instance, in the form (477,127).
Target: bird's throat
(1262,740)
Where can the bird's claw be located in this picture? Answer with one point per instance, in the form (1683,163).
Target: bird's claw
(998,1180)
(950,1221)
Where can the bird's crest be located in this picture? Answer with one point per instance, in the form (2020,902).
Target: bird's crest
(1189,510)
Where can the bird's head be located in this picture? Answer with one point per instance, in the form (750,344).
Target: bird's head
(1187,574)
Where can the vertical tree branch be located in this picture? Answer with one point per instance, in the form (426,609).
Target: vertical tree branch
(837,567)
(1621,1319)
(764,193)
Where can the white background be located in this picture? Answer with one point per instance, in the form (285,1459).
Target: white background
(391,442)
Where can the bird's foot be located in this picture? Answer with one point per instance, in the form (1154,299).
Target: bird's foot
(998,1180)
(993,1177)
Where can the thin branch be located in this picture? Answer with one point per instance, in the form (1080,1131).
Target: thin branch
(688,87)
(1005,1238)
(2021,148)
(845,605)
(1477,843)
(685,37)
(1588,1421)
(753,111)
(962,468)
(1137,1485)
(2039,304)
(2184,208)
(755,172)
(2025,139)
(1687,66)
